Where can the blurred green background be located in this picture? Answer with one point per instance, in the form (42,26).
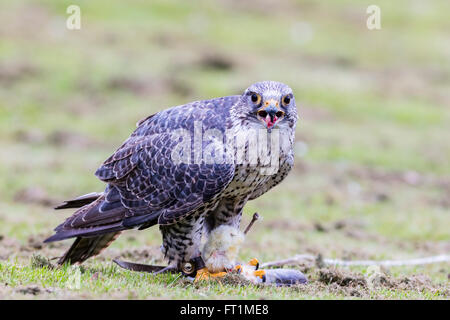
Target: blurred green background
(372,173)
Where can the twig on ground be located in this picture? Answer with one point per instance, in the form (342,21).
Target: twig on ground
(301,258)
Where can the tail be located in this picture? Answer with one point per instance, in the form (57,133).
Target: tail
(84,248)
(99,239)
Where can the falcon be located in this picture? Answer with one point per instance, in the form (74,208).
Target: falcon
(192,188)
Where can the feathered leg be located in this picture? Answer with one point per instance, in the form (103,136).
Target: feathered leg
(181,240)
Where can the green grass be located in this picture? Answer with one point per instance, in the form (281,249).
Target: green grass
(374,112)
(110,282)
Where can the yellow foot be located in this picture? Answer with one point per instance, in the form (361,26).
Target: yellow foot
(204,274)
(249,270)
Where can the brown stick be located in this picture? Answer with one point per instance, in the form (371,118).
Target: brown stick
(302,258)
(255,217)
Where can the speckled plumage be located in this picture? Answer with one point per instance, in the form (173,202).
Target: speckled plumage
(145,186)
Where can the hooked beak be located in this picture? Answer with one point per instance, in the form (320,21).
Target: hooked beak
(270,113)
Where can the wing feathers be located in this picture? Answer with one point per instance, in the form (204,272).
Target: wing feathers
(145,185)
(80,201)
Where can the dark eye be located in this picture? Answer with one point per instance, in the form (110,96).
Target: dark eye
(286,100)
(256,98)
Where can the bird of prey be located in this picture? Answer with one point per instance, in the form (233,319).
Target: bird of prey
(147,184)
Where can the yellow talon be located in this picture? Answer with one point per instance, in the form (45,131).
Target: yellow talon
(204,274)
(259,273)
(218,274)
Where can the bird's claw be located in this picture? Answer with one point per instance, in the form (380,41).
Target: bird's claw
(204,274)
(251,267)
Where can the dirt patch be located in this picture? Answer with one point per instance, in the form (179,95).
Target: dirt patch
(340,277)
(341,174)
(35,242)
(13,72)
(180,87)
(266,7)
(34,195)
(142,254)
(413,82)
(352,284)
(408,177)
(215,61)
(38,261)
(231,279)
(33,290)
(443,202)
(366,173)
(313,113)
(286,225)
(144,86)
(36,15)
(137,85)
(235,279)
(57,138)
(419,282)
(348,224)
(343,225)
(62,138)
(31,136)
(7,247)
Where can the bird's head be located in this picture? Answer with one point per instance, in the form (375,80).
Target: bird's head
(269,104)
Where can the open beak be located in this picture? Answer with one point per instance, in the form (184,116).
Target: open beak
(270,113)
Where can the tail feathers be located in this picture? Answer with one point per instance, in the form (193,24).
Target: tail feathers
(86,232)
(84,248)
(100,219)
(88,221)
(80,201)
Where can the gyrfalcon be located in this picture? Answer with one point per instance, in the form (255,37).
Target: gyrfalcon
(173,172)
